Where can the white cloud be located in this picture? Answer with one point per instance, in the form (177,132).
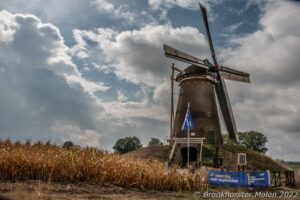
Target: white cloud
(138,58)
(88,86)
(7,27)
(187,4)
(157,4)
(138,55)
(165,5)
(121,96)
(118,12)
(77,135)
(233,27)
(271,55)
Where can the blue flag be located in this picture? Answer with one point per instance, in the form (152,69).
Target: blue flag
(188,121)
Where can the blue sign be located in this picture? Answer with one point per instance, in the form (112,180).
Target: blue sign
(222,178)
(252,179)
(259,179)
(188,121)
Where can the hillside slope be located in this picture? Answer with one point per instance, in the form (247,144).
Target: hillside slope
(228,152)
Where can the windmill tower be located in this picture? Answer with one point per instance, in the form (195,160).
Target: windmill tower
(202,85)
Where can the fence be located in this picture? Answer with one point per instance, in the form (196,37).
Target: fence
(275,179)
(278,178)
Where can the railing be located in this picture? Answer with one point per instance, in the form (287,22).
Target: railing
(290,178)
(277,177)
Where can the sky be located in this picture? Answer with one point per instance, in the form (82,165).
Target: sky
(93,71)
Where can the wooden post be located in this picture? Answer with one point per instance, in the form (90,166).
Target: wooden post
(172,151)
(201,152)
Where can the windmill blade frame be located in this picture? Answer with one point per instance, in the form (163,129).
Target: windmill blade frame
(220,86)
(205,21)
(234,71)
(184,57)
(226,110)
(234,75)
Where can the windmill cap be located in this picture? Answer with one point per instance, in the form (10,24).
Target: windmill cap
(191,70)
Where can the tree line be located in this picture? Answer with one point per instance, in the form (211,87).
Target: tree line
(253,140)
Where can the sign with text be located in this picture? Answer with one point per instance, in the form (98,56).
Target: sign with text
(259,179)
(242,159)
(222,178)
(252,179)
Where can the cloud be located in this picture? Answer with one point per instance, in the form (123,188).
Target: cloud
(133,52)
(137,57)
(121,96)
(186,4)
(44,96)
(45,92)
(233,27)
(271,55)
(120,12)
(40,86)
(158,4)
(165,5)
(88,14)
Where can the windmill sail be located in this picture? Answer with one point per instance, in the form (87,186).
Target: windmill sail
(181,56)
(220,86)
(234,75)
(226,110)
(205,21)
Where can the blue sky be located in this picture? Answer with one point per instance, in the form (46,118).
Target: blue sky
(92,71)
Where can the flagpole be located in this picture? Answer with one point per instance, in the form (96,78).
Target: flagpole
(188,142)
(188,148)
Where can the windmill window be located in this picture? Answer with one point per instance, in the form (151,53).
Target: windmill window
(211,137)
(209,114)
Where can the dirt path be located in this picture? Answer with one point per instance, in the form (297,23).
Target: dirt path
(36,190)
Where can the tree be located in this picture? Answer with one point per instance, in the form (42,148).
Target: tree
(154,141)
(68,144)
(127,144)
(253,140)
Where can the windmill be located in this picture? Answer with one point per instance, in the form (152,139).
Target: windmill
(202,85)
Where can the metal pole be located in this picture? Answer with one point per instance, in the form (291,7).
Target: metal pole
(188,148)
(188,142)
(172,103)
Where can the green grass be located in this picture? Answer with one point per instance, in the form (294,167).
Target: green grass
(294,166)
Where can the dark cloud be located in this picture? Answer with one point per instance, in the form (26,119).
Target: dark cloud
(36,97)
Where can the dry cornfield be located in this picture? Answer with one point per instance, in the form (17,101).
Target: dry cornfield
(48,162)
(297,178)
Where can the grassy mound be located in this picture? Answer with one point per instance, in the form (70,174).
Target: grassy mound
(156,152)
(255,160)
(47,162)
(228,152)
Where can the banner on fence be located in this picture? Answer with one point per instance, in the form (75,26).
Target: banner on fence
(253,179)
(259,179)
